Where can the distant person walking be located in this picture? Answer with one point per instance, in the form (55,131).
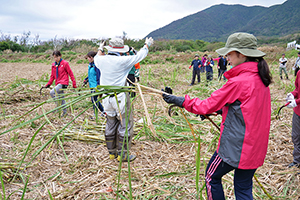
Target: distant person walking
(282,66)
(297,64)
(60,72)
(196,64)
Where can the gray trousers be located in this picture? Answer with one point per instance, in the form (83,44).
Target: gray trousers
(115,129)
(57,90)
(296,137)
(284,70)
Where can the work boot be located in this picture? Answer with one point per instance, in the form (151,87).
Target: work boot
(112,156)
(287,78)
(281,77)
(293,164)
(131,157)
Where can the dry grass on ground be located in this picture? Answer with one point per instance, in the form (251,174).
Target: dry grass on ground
(161,169)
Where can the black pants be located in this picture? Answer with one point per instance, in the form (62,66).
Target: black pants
(296,70)
(196,72)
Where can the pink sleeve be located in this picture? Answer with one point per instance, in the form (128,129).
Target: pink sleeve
(51,77)
(229,93)
(71,74)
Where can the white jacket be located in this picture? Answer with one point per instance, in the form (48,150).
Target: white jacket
(114,69)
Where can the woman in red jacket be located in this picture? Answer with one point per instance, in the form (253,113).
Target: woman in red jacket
(60,72)
(246,115)
(294,99)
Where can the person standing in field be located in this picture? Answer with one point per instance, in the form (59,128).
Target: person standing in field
(60,72)
(297,64)
(282,66)
(246,117)
(293,99)
(94,80)
(196,64)
(114,69)
(209,68)
(223,67)
(204,58)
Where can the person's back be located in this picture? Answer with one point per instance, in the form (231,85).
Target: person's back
(114,69)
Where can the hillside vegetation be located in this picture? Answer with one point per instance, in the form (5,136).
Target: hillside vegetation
(219,21)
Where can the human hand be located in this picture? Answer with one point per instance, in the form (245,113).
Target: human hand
(101,46)
(289,97)
(149,41)
(172,99)
(292,104)
(190,66)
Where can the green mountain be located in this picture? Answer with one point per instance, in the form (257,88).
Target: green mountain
(219,21)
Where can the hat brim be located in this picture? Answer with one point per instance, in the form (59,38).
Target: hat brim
(246,52)
(118,50)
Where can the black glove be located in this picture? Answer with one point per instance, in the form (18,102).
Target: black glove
(219,112)
(168,90)
(47,86)
(172,99)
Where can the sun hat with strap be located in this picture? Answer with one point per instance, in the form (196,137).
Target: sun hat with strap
(244,43)
(117,45)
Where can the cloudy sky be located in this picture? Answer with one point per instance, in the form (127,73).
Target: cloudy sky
(86,19)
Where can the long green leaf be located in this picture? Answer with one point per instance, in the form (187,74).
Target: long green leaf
(49,141)
(27,149)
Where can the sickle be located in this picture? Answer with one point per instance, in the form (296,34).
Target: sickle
(41,90)
(170,109)
(277,116)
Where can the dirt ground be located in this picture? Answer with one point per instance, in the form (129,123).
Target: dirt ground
(161,168)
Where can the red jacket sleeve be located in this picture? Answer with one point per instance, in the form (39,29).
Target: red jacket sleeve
(229,93)
(296,91)
(71,74)
(52,76)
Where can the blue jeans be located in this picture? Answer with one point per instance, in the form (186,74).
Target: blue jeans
(216,169)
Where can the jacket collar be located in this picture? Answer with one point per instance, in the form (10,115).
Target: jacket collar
(241,68)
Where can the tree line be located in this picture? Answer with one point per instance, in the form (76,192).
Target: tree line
(26,42)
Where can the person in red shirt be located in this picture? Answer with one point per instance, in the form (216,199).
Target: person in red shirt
(245,101)
(294,102)
(60,72)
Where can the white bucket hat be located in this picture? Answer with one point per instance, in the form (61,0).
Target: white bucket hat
(117,45)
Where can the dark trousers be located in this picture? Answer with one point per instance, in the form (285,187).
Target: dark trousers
(94,101)
(221,73)
(196,73)
(131,77)
(296,70)
(296,137)
(216,169)
(209,76)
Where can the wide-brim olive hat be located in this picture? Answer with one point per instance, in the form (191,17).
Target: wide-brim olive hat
(244,43)
(117,45)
